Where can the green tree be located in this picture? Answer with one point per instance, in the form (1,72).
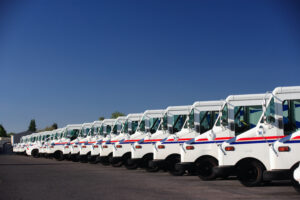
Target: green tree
(2,131)
(32,126)
(10,134)
(54,126)
(101,118)
(116,114)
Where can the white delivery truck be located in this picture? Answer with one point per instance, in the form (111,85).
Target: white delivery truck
(32,148)
(86,143)
(57,144)
(48,142)
(123,152)
(201,118)
(71,133)
(129,128)
(19,147)
(106,147)
(100,133)
(76,144)
(171,122)
(239,114)
(253,155)
(43,145)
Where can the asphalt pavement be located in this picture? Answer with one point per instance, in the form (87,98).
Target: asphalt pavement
(23,178)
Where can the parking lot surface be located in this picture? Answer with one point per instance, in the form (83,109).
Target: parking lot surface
(25,178)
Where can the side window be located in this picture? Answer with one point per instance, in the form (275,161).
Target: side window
(224,117)
(246,117)
(178,122)
(291,116)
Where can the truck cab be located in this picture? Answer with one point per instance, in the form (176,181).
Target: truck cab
(253,155)
(171,123)
(238,114)
(129,128)
(32,147)
(101,130)
(201,117)
(88,141)
(70,134)
(57,144)
(44,143)
(138,128)
(112,136)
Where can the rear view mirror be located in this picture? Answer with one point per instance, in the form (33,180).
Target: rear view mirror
(280,123)
(170,129)
(270,119)
(197,128)
(231,126)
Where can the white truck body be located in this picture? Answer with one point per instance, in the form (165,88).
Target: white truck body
(107,144)
(252,154)
(201,114)
(239,113)
(146,122)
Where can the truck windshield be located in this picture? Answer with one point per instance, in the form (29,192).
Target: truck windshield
(134,125)
(207,120)
(142,125)
(291,116)
(223,117)
(164,123)
(246,117)
(178,122)
(72,134)
(125,127)
(154,123)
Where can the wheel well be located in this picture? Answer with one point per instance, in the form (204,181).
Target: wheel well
(57,151)
(295,165)
(174,155)
(34,150)
(206,157)
(127,154)
(248,159)
(148,155)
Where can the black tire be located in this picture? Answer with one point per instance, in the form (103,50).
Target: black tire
(250,173)
(129,164)
(58,155)
(92,159)
(204,168)
(150,168)
(171,166)
(295,183)
(35,153)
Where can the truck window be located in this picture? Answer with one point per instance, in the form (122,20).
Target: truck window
(207,120)
(154,123)
(291,116)
(178,122)
(224,117)
(142,126)
(246,117)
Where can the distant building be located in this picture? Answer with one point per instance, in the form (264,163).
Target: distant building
(17,137)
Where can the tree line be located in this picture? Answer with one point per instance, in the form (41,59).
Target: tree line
(32,125)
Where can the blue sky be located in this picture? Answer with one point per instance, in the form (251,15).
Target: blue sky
(73,61)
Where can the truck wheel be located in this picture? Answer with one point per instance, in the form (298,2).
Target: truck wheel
(58,155)
(250,173)
(295,183)
(148,167)
(92,159)
(205,167)
(129,164)
(35,153)
(171,166)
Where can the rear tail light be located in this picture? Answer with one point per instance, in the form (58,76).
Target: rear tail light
(284,149)
(190,147)
(75,146)
(83,146)
(138,146)
(66,147)
(161,146)
(105,146)
(51,146)
(119,146)
(96,146)
(229,148)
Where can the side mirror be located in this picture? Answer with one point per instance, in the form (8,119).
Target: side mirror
(231,126)
(270,119)
(280,123)
(197,128)
(170,129)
